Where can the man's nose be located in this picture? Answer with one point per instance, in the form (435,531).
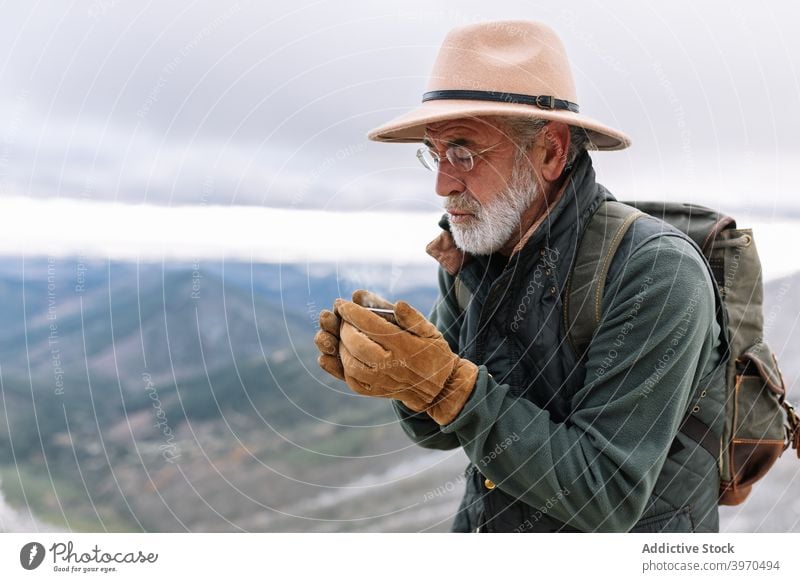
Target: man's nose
(448,183)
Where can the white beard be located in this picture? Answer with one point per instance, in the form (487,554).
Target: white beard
(494,223)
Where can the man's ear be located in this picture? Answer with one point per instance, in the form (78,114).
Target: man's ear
(553,153)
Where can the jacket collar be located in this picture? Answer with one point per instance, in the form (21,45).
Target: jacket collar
(570,205)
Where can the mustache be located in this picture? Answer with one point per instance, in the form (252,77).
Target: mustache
(462,204)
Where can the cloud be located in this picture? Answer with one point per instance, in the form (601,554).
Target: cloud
(360,245)
(66,227)
(153,102)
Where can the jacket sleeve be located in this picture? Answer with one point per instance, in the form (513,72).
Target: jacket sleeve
(657,332)
(420,427)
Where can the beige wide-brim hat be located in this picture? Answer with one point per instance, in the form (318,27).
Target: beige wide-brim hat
(513,68)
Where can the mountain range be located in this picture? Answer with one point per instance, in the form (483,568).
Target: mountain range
(174,397)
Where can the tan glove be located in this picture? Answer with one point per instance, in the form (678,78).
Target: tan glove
(327,341)
(327,338)
(409,360)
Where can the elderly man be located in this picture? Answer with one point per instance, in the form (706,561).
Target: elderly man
(559,439)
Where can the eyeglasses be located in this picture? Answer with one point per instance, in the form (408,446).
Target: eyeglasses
(459,157)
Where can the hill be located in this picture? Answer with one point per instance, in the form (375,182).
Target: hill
(187,397)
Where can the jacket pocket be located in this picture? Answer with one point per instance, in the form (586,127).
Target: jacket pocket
(679,520)
(468,515)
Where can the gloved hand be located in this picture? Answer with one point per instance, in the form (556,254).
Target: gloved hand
(409,360)
(327,341)
(327,338)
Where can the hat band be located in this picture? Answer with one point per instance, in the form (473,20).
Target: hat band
(540,101)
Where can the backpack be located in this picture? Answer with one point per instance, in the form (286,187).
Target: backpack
(759,424)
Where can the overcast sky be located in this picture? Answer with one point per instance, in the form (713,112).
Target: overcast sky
(268,103)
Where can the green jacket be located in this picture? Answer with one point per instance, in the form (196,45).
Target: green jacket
(562,444)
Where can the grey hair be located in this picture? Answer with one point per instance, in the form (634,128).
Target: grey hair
(523,131)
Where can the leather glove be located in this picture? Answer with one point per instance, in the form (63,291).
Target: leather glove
(409,360)
(327,341)
(327,338)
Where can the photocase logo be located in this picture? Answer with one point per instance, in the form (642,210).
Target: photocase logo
(31,555)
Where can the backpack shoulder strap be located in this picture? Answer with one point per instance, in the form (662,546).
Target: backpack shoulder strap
(596,248)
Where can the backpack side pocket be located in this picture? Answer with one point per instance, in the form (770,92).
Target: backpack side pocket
(757,433)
